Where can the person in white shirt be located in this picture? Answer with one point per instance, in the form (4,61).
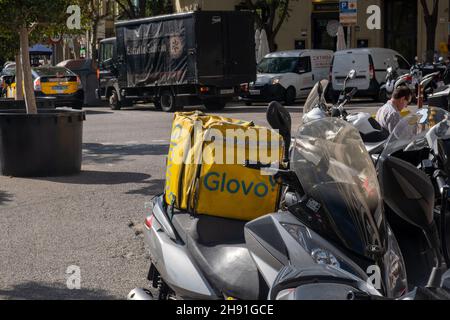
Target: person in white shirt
(388,116)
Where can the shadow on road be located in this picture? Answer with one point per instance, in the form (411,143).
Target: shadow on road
(152,187)
(109,153)
(44,291)
(95,112)
(101,178)
(255,109)
(5,197)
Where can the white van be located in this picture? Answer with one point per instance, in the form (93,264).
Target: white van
(287,76)
(370,65)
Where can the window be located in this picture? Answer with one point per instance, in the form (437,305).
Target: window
(278,65)
(304,65)
(402,63)
(107,51)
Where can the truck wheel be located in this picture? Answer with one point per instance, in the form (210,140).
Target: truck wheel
(157,105)
(167,102)
(215,105)
(113,99)
(290,96)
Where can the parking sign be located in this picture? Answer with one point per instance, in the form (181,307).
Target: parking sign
(348,12)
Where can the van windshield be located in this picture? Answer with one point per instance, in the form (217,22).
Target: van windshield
(278,65)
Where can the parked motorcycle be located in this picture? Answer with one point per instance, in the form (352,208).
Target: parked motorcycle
(330,231)
(388,87)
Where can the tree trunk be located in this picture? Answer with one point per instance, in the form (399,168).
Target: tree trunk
(431,38)
(271,41)
(431,21)
(67,50)
(76,48)
(19,79)
(93,43)
(30,99)
(142,8)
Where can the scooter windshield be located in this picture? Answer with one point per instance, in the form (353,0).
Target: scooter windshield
(314,98)
(340,182)
(411,133)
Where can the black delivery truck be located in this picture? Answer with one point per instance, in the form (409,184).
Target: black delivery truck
(175,60)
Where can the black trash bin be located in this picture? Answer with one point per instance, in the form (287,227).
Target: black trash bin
(45,144)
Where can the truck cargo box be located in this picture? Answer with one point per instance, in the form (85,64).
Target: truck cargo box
(202,47)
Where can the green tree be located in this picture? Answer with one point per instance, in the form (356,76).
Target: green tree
(9,44)
(270,15)
(93,12)
(144,8)
(27,17)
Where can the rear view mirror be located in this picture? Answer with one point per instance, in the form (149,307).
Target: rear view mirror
(352,74)
(280,119)
(408,192)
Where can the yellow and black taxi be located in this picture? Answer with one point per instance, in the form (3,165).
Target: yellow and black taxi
(58,82)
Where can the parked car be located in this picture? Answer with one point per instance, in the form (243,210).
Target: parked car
(287,76)
(370,65)
(6,75)
(86,69)
(57,82)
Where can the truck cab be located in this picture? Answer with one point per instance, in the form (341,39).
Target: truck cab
(107,74)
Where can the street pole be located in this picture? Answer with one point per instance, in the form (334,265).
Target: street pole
(349,35)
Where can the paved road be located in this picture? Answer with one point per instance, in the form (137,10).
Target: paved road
(93,220)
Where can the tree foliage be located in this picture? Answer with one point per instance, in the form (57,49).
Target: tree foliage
(30,17)
(270,15)
(144,8)
(42,18)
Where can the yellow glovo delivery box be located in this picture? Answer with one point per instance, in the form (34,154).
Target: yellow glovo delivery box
(205,167)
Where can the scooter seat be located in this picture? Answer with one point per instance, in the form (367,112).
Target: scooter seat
(218,247)
(378,134)
(375,137)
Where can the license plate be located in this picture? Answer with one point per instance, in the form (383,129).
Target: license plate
(60,89)
(58,79)
(227,91)
(255,92)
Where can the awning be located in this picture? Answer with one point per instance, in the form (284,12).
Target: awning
(40,49)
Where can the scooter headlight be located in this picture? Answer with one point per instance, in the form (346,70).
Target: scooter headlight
(319,253)
(322,256)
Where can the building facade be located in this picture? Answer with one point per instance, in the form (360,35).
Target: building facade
(312,24)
